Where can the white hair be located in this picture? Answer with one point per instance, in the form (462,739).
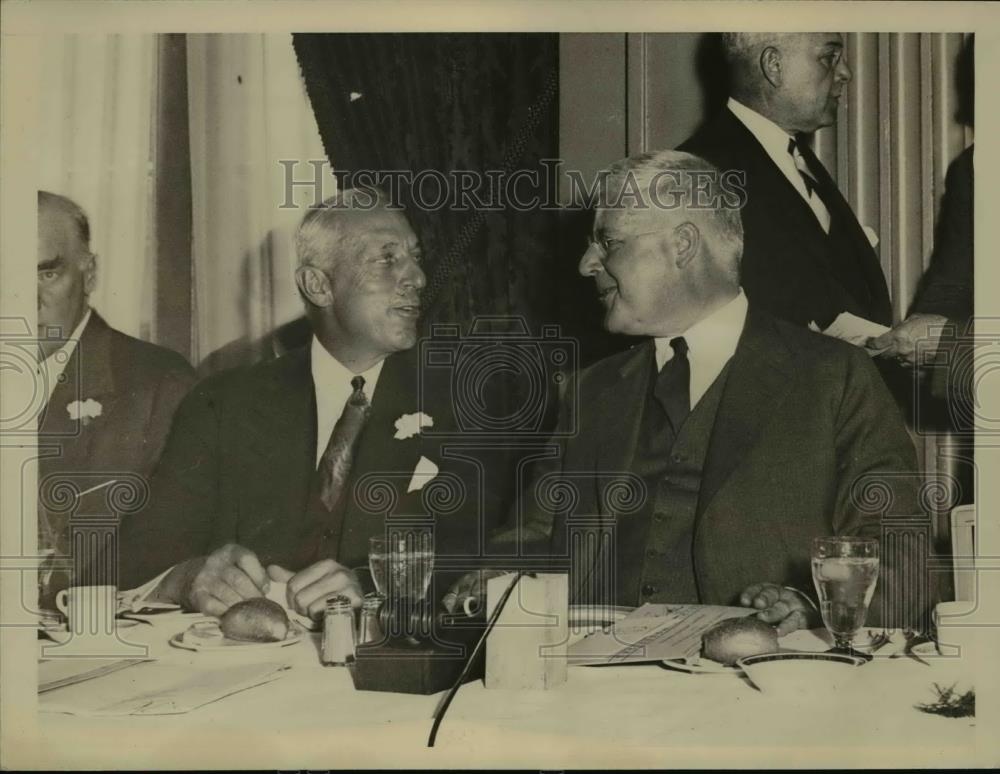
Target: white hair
(322,228)
(719,224)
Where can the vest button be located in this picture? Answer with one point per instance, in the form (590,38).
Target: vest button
(659,516)
(648,590)
(327,534)
(650,552)
(678,457)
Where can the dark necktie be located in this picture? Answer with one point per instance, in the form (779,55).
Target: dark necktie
(335,464)
(795,151)
(673,385)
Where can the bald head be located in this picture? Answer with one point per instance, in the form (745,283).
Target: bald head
(794,79)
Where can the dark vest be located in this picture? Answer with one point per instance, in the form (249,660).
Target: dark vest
(655,545)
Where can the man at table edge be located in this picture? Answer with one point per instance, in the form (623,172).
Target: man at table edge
(751,435)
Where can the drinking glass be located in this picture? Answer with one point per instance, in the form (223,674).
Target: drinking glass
(402,564)
(844,570)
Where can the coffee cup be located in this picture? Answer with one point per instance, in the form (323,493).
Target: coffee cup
(954,629)
(89,609)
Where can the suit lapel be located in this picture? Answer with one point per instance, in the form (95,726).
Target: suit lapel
(761,375)
(868,263)
(88,376)
(620,409)
(279,431)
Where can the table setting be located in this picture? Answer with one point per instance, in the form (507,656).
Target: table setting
(640,677)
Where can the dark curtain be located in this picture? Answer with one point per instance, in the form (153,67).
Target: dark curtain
(448,102)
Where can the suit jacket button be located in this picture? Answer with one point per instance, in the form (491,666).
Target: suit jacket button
(659,516)
(648,590)
(651,552)
(327,534)
(679,457)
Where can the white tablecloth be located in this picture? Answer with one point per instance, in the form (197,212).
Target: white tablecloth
(640,715)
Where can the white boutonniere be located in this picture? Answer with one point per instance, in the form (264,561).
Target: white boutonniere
(409,425)
(84,411)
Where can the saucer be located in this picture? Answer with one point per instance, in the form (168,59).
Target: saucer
(207,636)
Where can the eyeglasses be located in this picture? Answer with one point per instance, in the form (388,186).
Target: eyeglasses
(607,246)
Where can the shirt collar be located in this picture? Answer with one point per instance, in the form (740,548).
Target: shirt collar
(327,371)
(712,339)
(769,134)
(70,346)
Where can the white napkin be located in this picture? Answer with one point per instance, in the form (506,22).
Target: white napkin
(425,471)
(277,593)
(157,688)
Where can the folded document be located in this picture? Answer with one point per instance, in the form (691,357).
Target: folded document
(652,633)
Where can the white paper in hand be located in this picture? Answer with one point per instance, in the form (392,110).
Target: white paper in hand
(278,593)
(854,330)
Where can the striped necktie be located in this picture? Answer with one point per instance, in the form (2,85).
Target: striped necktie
(335,464)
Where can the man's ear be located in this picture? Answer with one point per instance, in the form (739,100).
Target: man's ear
(313,285)
(686,242)
(770,65)
(89,274)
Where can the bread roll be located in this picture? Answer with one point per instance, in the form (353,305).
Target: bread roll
(736,638)
(255,620)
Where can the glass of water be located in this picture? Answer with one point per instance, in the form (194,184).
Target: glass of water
(402,563)
(844,570)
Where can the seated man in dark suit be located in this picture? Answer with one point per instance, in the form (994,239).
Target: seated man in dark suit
(805,256)
(266,466)
(741,437)
(109,397)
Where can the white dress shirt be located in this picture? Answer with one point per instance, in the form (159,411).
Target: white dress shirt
(711,343)
(52,367)
(774,140)
(332,382)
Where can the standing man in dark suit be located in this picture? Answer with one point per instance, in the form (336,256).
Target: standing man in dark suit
(806,258)
(744,437)
(265,466)
(110,397)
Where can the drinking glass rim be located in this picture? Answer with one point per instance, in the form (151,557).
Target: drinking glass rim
(854,539)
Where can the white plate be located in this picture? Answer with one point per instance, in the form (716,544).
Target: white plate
(206,636)
(702,666)
(60,633)
(596,615)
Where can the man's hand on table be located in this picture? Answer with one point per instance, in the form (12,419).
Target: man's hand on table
(308,589)
(785,608)
(214,583)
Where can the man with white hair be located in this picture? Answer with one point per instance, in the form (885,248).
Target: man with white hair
(744,437)
(806,258)
(257,482)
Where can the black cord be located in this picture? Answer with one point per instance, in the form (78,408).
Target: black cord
(439,716)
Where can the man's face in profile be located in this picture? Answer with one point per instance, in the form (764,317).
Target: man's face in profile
(814,73)
(66,277)
(630,261)
(376,282)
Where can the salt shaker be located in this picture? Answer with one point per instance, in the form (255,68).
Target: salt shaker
(338,633)
(370,629)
